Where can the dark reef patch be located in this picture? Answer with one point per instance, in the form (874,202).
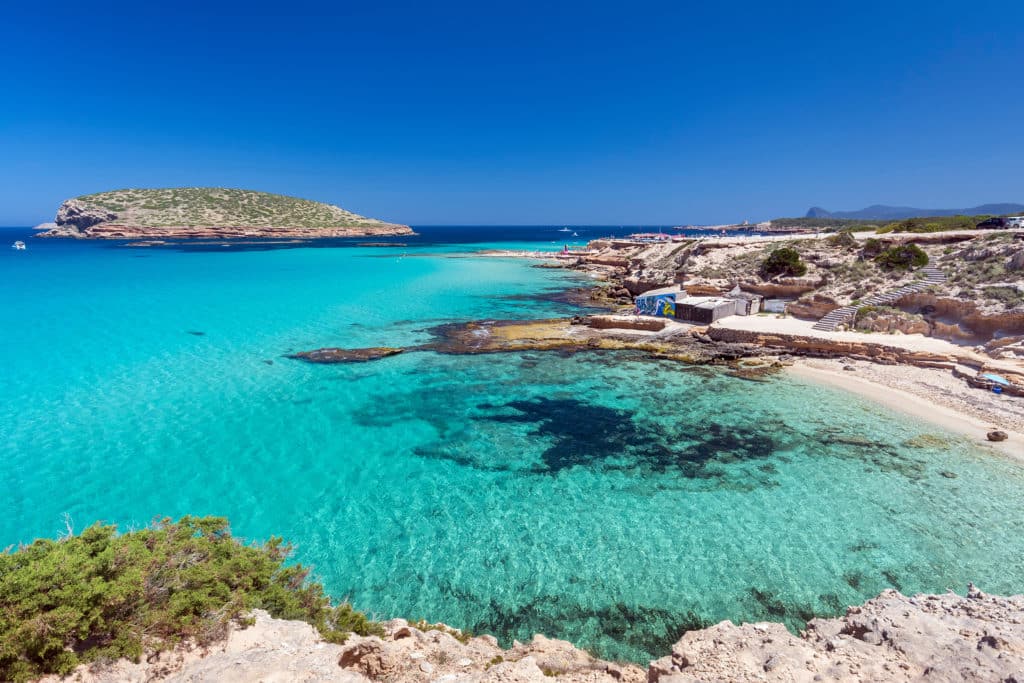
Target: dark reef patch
(583,433)
(832,602)
(794,615)
(591,435)
(893,579)
(769,603)
(882,456)
(861,546)
(195,333)
(854,579)
(576,297)
(638,627)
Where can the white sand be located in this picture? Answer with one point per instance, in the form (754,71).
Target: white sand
(929,394)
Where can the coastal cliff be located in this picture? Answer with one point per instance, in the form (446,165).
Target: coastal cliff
(980,298)
(216,213)
(892,637)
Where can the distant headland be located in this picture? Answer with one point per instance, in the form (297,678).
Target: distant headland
(207,212)
(895,213)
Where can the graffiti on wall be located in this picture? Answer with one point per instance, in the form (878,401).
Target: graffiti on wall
(663,306)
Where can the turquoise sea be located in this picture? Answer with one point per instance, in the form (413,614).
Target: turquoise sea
(608,499)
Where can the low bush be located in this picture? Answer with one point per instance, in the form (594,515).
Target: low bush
(843,239)
(1011,297)
(783,261)
(902,257)
(103,595)
(872,248)
(932,224)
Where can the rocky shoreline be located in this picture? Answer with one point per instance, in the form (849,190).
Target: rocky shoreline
(893,637)
(124,231)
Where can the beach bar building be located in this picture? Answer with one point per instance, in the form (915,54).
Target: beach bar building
(747,303)
(659,302)
(704,310)
(674,302)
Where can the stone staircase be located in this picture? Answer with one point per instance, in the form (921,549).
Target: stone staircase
(839,316)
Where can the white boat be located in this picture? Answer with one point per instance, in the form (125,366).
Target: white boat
(575,235)
(19,245)
(565,230)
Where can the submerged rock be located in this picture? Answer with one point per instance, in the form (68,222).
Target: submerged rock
(335,355)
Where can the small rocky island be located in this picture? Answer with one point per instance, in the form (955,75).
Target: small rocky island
(207,212)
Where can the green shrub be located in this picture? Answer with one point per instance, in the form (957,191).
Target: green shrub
(902,257)
(102,596)
(932,224)
(872,248)
(844,239)
(783,261)
(1010,297)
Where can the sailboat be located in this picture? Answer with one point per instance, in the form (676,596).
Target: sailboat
(19,246)
(565,230)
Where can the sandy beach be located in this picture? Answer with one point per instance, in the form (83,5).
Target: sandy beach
(926,393)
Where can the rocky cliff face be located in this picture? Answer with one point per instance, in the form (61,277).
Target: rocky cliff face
(891,638)
(942,638)
(74,215)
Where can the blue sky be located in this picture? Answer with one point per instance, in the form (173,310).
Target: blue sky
(518,112)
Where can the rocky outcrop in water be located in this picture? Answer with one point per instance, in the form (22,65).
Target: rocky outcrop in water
(328,356)
(942,638)
(660,338)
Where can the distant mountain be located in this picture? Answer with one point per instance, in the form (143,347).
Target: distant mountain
(880,212)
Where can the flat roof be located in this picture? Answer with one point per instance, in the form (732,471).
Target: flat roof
(674,289)
(700,300)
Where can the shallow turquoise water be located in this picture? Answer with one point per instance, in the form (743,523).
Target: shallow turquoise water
(603,498)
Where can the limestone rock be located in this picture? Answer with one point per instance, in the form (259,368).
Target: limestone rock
(996,435)
(812,306)
(891,638)
(1016,261)
(77,215)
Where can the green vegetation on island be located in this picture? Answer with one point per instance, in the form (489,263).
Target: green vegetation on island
(100,595)
(208,212)
(199,206)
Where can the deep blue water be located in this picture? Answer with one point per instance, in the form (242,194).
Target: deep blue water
(604,498)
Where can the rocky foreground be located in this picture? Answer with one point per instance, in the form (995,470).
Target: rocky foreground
(210,213)
(890,638)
